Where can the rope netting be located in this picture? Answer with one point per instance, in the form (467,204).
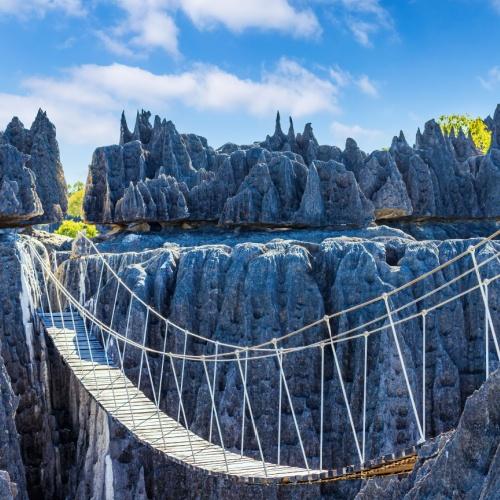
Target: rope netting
(50,293)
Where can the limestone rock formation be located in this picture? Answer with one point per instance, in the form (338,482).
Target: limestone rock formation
(265,183)
(251,291)
(465,461)
(246,289)
(39,147)
(19,201)
(488,172)
(381,182)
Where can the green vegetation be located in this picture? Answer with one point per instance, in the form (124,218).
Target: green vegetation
(76,193)
(75,204)
(77,186)
(477,128)
(71,228)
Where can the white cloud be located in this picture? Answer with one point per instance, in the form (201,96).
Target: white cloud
(344,78)
(492,80)
(263,14)
(367,86)
(149,24)
(365,18)
(85,101)
(340,76)
(496,5)
(38,8)
(365,137)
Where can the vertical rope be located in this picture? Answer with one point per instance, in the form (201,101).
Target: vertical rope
(403,366)
(49,302)
(121,357)
(181,405)
(291,405)
(322,406)
(213,385)
(279,413)
(162,362)
(97,294)
(182,373)
(486,337)
(251,413)
(344,393)
(424,344)
(126,328)
(482,284)
(101,274)
(365,379)
(160,382)
(113,313)
(214,412)
(243,412)
(142,350)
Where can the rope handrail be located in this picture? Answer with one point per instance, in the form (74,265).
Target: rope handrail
(240,350)
(136,402)
(263,345)
(267,345)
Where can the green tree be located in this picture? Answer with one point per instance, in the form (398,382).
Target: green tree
(71,228)
(75,203)
(77,186)
(480,133)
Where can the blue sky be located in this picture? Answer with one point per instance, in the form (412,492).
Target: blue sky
(221,68)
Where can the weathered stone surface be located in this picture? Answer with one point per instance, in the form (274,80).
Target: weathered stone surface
(464,463)
(30,455)
(39,146)
(381,182)
(12,477)
(246,290)
(251,292)
(19,201)
(333,197)
(442,177)
(488,172)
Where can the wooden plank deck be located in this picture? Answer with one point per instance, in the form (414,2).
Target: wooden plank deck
(123,401)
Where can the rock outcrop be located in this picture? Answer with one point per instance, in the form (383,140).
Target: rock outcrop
(464,462)
(19,201)
(157,175)
(32,184)
(247,290)
(251,292)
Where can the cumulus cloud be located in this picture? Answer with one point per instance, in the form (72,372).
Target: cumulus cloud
(86,100)
(150,24)
(38,8)
(366,137)
(263,14)
(492,79)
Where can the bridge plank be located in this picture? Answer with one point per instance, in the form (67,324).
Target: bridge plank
(119,396)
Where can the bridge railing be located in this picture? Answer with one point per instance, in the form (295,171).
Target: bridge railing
(49,293)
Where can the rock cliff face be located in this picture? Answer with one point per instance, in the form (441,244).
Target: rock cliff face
(157,175)
(32,185)
(19,201)
(464,462)
(243,293)
(251,292)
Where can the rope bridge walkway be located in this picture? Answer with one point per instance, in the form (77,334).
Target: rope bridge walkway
(96,351)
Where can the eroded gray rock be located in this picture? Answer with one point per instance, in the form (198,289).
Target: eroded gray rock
(41,150)
(19,201)
(442,177)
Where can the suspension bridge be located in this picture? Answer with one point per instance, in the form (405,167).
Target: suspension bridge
(97,351)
